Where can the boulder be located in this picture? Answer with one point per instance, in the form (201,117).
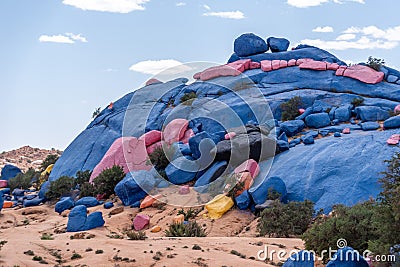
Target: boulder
(347,257)
(182,170)
(94,220)
(129,191)
(318,120)
(184,190)
(148,201)
(250,166)
(3,183)
(369,126)
(9,171)
(249,44)
(200,142)
(243,201)
(393,122)
(282,145)
(303,258)
(278,44)
(88,202)
(392,78)
(371,113)
(293,127)
(313,65)
(141,221)
(175,130)
(294,142)
(259,192)
(337,134)
(212,173)
(343,113)
(128,152)
(108,205)
(364,74)
(218,206)
(151,137)
(397,109)
(65,203)
(308,139)
(77,219)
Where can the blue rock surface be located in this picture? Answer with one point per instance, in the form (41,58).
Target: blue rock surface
(65,203)
(259,192)
(1,199)
(79,221)
(88,202)
(393,122)
(293,127)
(129,191)
(371,113)
(108,205)
(249,44)
(278,44)
(9,171)
(243,201)
(301,259)
(211,174)
(369,126)
(318,120)
(347,257)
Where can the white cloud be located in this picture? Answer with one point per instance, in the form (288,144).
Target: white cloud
(167,66)
(207,7)
(362,43)
(226,14)
(115,6)
(323,29)
(312,3)
(68,38)
(180,4)
(346,37)
(390,34)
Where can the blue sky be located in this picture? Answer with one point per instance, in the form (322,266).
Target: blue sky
(60,59)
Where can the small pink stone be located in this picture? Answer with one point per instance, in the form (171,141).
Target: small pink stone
(395,137)
(275,64)
(254,65)
(3,183)
(391,141)
(283,64)
(397,109)
(184,190)
(291,63)
(250,166)
(152,81)
(346,131)
(230,135)
(141,221)
(266,65)
(301,110)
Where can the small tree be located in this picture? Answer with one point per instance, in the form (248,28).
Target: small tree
(96,113)
(290,109)
(23,180)
(190,229)
(375,63)
(50,159)
(107,180)
(60,187)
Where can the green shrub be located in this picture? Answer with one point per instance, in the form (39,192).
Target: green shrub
(136,235)
(50,159)
(75,256)
(191,229)
(358,101)
(189,214)
(60,187)
(23,180)
(107,180)
(2,243)
(96,113)
(290,109)
(159,157)
(375,63)
(46,236)
(86,189)
(284,220)
(188,98)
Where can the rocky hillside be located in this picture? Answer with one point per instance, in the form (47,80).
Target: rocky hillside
(26,157)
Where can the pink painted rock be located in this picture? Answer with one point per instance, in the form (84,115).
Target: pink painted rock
(395,137)
(291,63)
(127,152)
(397,109)
(340,70)
(275,64)
(283,64)
(196,76)
(301,110)
(364,74)
(175,131)
(229,135)
(150,149)
(3,183)
(255,65)
(266,65)
(302,60)
(152,81)
(188,134)
(151,137)
(219,71)
(332,66)
(249,165)
(184,190)
(346,131)
(313,65)
(240,65)
(391,141)
(141,221)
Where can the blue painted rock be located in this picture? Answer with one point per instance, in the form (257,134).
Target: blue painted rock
(393,122)
(294,142)
(1,200)
(79,221)
(318,120)
(64,204)
(370,125)
(282,145)
(293,127)
(337,134)
(108,205)
(371,113)
(9,171)
(308,139)
(128,190)
(249,44)
(211,174)
(301,259)
(36,201)
(182,170)
(259,192)
(88,202)
(278,44)
(243,201)
(347,257)
(343,113)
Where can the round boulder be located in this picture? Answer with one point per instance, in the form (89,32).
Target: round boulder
(249,44)
(278,44)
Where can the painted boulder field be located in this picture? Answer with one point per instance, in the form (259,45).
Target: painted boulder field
(249,91)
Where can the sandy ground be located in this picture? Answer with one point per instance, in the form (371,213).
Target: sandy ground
(236,230)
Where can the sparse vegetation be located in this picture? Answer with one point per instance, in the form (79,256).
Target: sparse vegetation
(159,159)
(375,63)
(99,251)
(46,236)
(358,101)
(234,252)
(2,243)
(23,180)
(290,109)
(60,187)
(189,214)
(107,180)
(196,247)
(188,98)
(96,113)
(50,159)
(284,220)
(190,229)
(75,256)
(136,235)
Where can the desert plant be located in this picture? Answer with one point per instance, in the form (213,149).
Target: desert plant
(96,113)
(60,187)
(75,256)
(107,180)
(358,101)
(189,214)
(2,243)
(375,63)
(86,188)
(159,157)
(46,236)
(290,109)
(50,159)
(189,229)
(188,98)
(284,220)
(135,235)
(23,180)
